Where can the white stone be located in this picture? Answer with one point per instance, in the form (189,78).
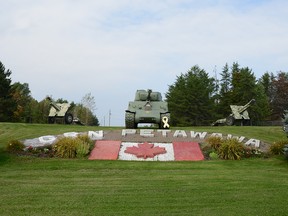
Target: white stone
(96,135)
(168,156)
(47,140)
(146,133)
(240,139)
(71,134)
(217,135)
(254,142)
(195,134)
(180,133)
(128,131)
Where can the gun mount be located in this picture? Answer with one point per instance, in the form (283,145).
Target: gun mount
(239,116)
(147,107)
(59,112)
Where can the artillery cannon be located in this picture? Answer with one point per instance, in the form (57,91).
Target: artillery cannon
(59,112)
(147,107)
(239,116)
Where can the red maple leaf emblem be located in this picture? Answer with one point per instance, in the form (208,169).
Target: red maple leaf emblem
(145,150)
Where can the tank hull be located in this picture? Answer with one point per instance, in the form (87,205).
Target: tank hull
(147,110)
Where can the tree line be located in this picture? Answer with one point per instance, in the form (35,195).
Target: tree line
(197,99)
(17,104)
(194,98)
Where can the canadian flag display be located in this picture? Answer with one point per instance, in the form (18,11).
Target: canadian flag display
(117,150)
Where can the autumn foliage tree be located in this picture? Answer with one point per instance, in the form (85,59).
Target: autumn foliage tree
(21,96)
(278,94)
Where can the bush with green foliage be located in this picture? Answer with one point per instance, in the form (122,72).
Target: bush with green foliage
(69,147)
(85,138)
(40,151)
(206,150)
(82,149)
(15,146)
(213,156)
(215,142)
(277,147)
(231,149)
(66,147)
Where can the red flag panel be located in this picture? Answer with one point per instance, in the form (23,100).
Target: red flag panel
(105,150)
(187,151)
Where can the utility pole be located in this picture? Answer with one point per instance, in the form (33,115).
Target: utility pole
(109,117)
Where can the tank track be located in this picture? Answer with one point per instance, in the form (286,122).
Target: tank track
(130,120)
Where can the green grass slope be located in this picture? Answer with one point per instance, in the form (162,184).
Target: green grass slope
(51,186)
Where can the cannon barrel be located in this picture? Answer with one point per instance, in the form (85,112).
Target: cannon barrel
(149,94)
(52,103)
(246,106)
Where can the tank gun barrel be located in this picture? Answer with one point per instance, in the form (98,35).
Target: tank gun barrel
(52,103)
(149,95)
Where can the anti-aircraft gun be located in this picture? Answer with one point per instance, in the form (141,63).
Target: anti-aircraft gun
(239,116)
(147,107)
(59,112)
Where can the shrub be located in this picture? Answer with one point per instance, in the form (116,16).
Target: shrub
(231,149)
(40,151)
(85,138)
(252,152)
(277,147)
(213,155)
(66,147)
(214,142)
(82,148)
(69,147)
(206,149)
(15,146)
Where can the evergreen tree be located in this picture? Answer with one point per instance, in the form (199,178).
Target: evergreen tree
(190,98)
(225,84)
(7,105)
(223,105)
(243,85)
(266,81)
(261,109)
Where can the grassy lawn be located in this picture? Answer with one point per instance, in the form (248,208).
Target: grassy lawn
(35,186)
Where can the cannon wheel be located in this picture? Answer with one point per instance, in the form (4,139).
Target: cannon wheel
(230,120)
(130,120)
(68,118)
(161,125)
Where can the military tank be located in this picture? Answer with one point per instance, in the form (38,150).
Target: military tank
(147,107)
(59,112)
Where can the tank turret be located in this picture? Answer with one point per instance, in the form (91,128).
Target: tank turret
(147,107)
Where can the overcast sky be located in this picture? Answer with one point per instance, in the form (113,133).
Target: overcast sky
(111,48)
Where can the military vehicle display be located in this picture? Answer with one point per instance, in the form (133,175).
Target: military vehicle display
(147,107)
(239,116)
(59,112)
